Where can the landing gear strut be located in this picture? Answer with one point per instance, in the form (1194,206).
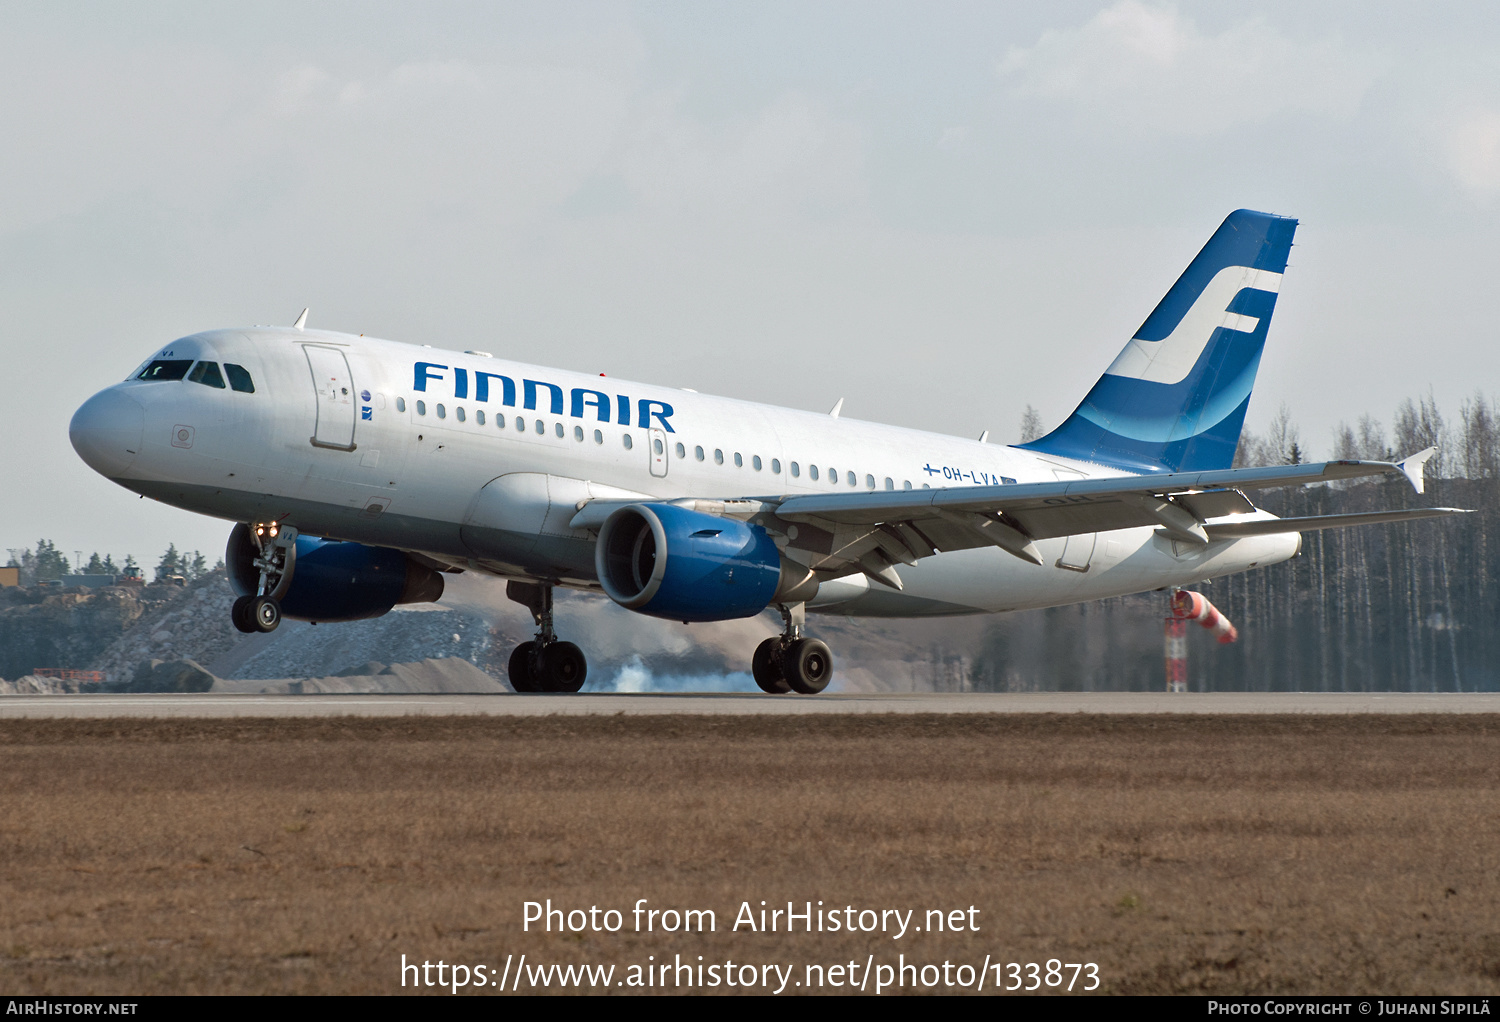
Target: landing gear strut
(275,559)
(789,662)
(544,664)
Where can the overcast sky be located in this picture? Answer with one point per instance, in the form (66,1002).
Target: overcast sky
(938,211)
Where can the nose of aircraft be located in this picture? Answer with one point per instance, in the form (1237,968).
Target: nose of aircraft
(107,431)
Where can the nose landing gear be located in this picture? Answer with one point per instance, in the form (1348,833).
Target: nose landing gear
(275,559)
(255,613)
(789,662)
(544,664)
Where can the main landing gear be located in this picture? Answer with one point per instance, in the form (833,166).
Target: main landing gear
(544,664)
(789,662)
(276,555)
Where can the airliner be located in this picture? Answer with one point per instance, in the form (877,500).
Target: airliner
(359,471)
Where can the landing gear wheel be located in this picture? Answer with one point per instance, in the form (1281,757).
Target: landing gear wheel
(265,613)
(808,666)
(523,668)
(561,667)
(766,667)
(239,613)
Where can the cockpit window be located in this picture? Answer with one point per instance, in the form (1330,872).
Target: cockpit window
(239,378)
(166,369)
(207,373)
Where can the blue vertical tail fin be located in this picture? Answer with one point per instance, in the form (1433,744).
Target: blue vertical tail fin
(1175,398)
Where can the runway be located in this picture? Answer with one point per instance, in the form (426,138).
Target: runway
(711,704)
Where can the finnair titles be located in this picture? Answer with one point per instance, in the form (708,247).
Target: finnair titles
(358,472)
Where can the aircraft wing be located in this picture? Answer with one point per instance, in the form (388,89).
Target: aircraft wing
(872,531)
(905,525)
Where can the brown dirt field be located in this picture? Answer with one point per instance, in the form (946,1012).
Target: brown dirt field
(1319,855)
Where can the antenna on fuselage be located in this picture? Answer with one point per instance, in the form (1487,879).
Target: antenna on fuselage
(301,320)
(983,437)
(838,407)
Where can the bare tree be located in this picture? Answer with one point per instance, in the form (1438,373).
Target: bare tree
(1031,425)
(1419,427)
(1480,439)
(1372,445)
(1247,450)
(1345,446)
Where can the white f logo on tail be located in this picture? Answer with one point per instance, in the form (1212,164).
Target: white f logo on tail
(1170,359)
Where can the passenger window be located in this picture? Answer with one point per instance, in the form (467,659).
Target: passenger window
(718,456)
(459,413)
(578,433)
(889,485)
(755,462)
(207,373)
(796,470)
(660,447)
(499,420)
(869,481)
(541,428)
(739,462)
(520,424)
(833,476)
(850,479)
(598,436)
(812,472)
(479,416)
(698,453)
(421,407)
(629,443)
(925,486)
(681,452)
(906,484)
(558,429)
(239,379)
(442,412)
(776,465)
(400,401)
(166,369)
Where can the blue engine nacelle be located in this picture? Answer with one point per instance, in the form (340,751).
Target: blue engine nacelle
(667,561)
(332,580)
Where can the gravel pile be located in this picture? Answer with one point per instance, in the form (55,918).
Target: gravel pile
(31,685)
(449,674)
(405,635)
(194,625)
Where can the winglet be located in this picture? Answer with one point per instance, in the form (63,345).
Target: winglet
(838,407)
(301,320)
(1411,467)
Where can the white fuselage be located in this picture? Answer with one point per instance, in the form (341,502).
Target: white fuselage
(410,457)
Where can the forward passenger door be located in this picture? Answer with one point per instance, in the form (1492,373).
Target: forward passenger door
(334,388)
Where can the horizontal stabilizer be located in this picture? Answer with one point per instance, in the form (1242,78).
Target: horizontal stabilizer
(1274,526)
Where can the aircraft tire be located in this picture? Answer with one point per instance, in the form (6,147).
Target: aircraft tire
(765,667)
(562,667)
(264,613)
(522,668)
(808,666)
(239,614)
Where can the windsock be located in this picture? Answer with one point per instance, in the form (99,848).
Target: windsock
(1195,607)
